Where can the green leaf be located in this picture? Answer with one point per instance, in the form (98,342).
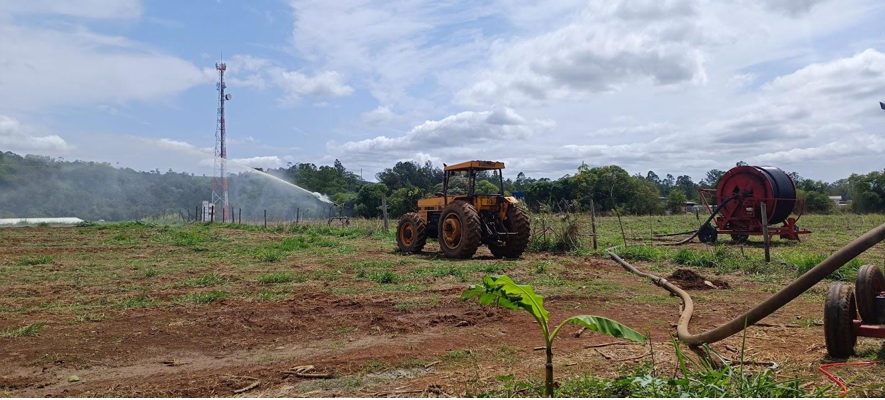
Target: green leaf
(502,291)
(607,326)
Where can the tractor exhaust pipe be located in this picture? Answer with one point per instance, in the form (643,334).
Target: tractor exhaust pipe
(767,307)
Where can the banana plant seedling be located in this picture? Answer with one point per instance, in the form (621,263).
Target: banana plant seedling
(502,291)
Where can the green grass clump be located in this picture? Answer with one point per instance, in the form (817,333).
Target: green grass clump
(382,277)
(276,277)
(204,298)
(27,330)
(695,258)
(140,301)
(269,255)
(643,253)
(150,272)
(34,260)
(804,262)
(205,280)
(190,239)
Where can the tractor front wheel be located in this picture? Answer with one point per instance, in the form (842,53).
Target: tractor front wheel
(517,222)
(459,230)
(411,233)
(839,315)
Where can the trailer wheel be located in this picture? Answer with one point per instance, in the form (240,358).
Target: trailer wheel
(869,283)
(839,316)
(707,234)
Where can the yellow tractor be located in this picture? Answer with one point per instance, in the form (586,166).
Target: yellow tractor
(462,219)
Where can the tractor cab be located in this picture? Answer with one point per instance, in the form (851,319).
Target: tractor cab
(465,215)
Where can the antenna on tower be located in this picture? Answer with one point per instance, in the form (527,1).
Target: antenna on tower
(219,181)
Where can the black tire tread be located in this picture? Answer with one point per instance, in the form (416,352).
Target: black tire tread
(420,231)
(867,286)
(515,245)
(471,230)
(839,314)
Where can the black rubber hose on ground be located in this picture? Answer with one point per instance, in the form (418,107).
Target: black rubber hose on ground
(695,233)
(772,304)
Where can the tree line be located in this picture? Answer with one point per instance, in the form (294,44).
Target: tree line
(38,186)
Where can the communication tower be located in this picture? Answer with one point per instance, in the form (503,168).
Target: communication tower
(219,181)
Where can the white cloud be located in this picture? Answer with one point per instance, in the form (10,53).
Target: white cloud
(379,116)
(658,128)
(48,67)
(791,8)
(260,162)
(245,70)
(15,137)
(321,84)
(608,45)
(500,133)
(856,146)
(389,46)
(458,130)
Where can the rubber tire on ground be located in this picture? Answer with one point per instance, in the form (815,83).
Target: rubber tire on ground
(471,233)
(839,316)
(517,221)
(869,283)
(740,238)
(707,234)
(419,229)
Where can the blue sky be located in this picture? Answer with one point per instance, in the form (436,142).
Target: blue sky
(676,86)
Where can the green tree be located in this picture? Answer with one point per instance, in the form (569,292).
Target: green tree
(645,199)
(486,187)
(403,200)
(369,200)
(675,201)
(816,202)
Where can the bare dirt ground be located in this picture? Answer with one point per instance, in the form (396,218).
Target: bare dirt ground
(410,337)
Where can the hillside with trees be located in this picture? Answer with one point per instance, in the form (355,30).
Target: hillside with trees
(39,186)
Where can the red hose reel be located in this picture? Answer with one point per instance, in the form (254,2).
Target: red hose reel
(740,194)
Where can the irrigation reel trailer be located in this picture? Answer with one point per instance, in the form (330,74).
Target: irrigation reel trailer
(844,305)
(739,196)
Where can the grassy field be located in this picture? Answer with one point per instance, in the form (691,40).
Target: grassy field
(183,310)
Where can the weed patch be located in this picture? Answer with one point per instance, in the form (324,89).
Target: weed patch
(34,260)
(27,330)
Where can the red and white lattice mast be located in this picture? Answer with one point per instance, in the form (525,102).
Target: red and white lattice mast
(219,181)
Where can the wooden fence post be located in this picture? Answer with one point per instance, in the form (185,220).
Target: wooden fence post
(593,222)
(265,218)
(240,211)
(297,215)
(765,236)
(384,212)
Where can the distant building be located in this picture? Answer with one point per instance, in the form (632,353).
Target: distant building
(838,200)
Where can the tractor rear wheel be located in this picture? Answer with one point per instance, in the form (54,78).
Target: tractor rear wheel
(459,230)
(839,316)
(517,222)
(869,283)
(411,233)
